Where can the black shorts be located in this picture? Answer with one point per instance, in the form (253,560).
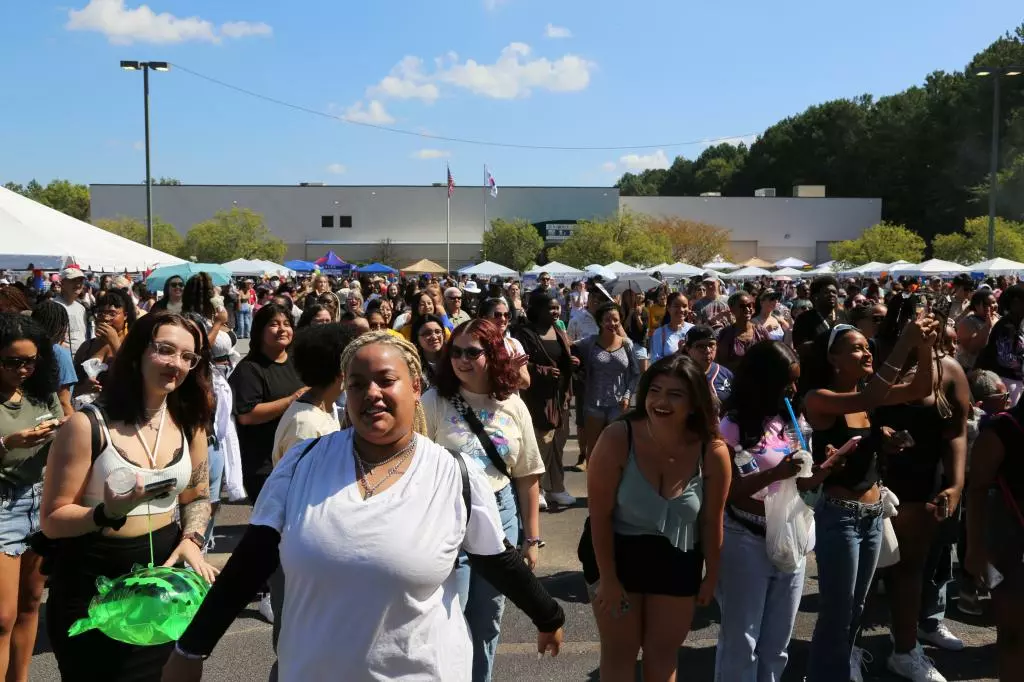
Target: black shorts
(647,564)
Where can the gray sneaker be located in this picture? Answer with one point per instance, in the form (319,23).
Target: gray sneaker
(914,666)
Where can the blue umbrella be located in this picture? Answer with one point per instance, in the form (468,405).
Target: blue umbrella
(377,268)
(300,265)
(158,278)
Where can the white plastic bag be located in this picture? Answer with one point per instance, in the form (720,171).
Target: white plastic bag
(789,534)
(889,553)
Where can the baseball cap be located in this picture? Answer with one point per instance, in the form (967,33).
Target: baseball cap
(699,333)
(72,273)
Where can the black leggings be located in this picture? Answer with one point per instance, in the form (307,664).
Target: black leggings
(92,656)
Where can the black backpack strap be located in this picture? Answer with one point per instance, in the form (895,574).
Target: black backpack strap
(467,496)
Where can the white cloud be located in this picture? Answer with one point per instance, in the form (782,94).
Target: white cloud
(515,75)
(406,81)
(431,154)
(124,26)
(552,31)
(372,113)
(241,29)
(638,162)
(336,169)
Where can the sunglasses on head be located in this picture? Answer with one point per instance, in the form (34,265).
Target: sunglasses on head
(16,363)
(471,353)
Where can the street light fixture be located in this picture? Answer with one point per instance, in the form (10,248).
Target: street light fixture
(146,67)
(996,73)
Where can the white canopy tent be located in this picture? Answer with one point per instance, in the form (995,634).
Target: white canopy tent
(749,273)
(998,266)
(48,239)
(620,268)
(934,267)
(788,272)
(244,267)
(489,269)
(718,266)
(555,269)
(872,268)
(791,263)
(656,268)
(681,270)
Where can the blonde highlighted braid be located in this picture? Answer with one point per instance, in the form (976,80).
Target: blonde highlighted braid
(408,353)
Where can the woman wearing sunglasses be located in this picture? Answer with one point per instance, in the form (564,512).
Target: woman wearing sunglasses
(496,310)
(477,374)
(30,414)
(174,293)
(119,476)
(841,387)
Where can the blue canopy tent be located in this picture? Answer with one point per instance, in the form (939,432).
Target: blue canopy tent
(377,268)
(300,265)
(330,262)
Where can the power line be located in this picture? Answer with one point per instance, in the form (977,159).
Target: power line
(444,138)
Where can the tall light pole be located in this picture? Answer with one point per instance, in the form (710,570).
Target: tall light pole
(993,170)
(145,67)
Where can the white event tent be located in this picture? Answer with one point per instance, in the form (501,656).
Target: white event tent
(791,263)
(788,272)
(555,269)
(934,267)
(749,272)
(620,268)
(680,270)
(244,267)
(48,239)
(997,266)
(488,269)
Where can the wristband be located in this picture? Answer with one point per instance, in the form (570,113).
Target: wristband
(100,518)
(530,542)
(187,656)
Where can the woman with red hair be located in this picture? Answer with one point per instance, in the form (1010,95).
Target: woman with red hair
(474,409)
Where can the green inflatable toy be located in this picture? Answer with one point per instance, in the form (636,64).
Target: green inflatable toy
(145,607)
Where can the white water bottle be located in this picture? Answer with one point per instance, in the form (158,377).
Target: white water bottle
(745,463)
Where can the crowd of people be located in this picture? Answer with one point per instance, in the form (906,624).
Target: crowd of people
(399,439)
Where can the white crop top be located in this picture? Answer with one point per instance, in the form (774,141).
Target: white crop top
(109,459)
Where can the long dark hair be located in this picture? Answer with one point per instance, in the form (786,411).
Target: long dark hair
(260,321)
(502,374)
(123,396)
(162,303)
(310,313)
(815,369)
(703,418)
(758,387)
(667,317)
(197,295)
(414,338)
(43,382)
(54,319)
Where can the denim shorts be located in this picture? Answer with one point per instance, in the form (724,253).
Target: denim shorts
(19,516)
(608,413)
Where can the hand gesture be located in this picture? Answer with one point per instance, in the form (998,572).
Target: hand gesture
(787,468)
(610,597)
(30,438)
(108,334)
(116,505)
(190,553)
(519,361)
(221,316)
(549,641)
(945,503)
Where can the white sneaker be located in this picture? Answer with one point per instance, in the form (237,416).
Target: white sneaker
(942,638)
(563,499)
(914,666)
(543,501)
(859,659)
(265,609)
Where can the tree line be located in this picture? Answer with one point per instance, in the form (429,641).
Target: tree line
(924,151)
(227,235)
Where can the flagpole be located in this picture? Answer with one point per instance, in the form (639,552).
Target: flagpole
(448,222)
(487,190)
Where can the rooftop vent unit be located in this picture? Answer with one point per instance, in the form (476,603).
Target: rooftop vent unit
(765,192)
(312,184)
(809,191)
(711,194)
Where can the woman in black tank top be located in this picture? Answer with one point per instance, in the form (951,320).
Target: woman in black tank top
(937,423)
(841,385)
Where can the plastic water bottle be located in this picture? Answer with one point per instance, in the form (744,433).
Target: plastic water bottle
(121,481)
(745,463)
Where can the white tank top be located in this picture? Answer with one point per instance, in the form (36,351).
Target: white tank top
(109,459)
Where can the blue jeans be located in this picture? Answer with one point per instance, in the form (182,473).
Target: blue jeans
(482,604)
(215,457)
(846,547)
(19,516)
(759,604)
(243,322)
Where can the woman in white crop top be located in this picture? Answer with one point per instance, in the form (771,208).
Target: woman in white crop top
(151,423)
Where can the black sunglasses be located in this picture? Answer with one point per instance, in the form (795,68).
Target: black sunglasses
(15,363)
(471,353)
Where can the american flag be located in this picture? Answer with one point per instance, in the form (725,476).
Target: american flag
(451,183)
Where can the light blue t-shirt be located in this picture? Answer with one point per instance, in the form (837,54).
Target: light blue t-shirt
(665,342)
(65,366)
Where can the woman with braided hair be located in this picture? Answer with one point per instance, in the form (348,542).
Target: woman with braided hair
(367,523)
(54,319)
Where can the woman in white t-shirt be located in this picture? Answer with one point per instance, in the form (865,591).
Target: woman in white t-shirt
(476,380)
(368,523)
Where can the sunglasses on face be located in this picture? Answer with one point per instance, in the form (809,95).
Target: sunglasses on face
(454,298)
(501,316)
(168,354)
(424,333)
(13,364)
(470,353)
(177,285)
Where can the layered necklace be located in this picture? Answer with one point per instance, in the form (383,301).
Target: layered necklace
(365,467)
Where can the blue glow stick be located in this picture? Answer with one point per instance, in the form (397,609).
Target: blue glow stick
(796,424)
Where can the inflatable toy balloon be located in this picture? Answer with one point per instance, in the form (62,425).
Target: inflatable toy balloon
(145,607)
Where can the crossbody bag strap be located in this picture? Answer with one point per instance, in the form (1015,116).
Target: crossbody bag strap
(477,427)
(467,493)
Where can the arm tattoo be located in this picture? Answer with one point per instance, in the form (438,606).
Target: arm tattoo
(195,514)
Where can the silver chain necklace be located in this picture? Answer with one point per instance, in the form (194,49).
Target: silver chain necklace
(364,467)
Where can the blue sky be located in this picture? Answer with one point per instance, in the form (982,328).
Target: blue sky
(538,72)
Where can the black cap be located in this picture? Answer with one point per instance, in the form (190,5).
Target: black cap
(699,333)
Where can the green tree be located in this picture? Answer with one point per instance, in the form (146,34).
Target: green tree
(512,243)
(692,241)
(165,237)
(884,243)
(971,245)
(625,237)
(238,233)
(645,184)
(61,195)
(591,242)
